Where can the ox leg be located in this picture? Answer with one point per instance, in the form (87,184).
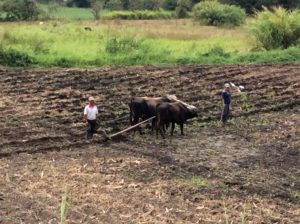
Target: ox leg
(153,125)
(135,121)
(172,128)
(181,128)
(156,129)
(166,127)
(162,132)
(159,128)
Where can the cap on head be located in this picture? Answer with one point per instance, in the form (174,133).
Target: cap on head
(227,85)
(91,98)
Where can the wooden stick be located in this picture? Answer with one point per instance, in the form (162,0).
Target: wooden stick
(131,127)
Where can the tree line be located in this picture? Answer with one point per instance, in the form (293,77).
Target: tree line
(249,5)
(29,9)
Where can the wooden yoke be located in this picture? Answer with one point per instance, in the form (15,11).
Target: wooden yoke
(131,127)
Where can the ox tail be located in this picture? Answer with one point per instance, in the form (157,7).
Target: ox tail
(157,117)
(131,111)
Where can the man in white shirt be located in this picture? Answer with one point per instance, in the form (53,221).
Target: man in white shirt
(90,116)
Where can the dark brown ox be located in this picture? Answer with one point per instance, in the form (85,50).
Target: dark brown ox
(145,107)
(177,112)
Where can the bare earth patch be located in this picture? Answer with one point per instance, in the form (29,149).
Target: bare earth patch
(247,172)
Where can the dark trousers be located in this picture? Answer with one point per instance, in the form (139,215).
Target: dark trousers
(91,129)
(225,113)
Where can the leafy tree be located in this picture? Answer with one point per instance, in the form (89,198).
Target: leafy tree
(251,5)
(96,6)
(20,9)
(169,4)
(125,4)
(79,3)
(182,9)
(151,4)
(135,4)
(114,5)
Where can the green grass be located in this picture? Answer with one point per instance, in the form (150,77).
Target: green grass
(115,43)
(194,181)
(64,207)
(60,12)
(71,14)
(138,15)
(198,182)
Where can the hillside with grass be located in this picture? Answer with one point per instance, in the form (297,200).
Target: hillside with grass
(216,34)
(131,43)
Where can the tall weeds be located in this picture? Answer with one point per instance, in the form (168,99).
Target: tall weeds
(64,207)
(69,45)
(277,28)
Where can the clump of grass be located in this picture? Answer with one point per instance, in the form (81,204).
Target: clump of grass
(295,194)
(138,15)
(198,182)
(243,215)
(123,45)
(64,207)
(15,58)
(290,55)
(194,181)
(277,28)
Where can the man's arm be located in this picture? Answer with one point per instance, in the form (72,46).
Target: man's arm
(222,99)
(97,112)
(85,114)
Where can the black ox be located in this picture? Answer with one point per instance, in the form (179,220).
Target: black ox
(145,107)
(176,112)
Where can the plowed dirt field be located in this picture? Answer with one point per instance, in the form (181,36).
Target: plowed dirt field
(246,172)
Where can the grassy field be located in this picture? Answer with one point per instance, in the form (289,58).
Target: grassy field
(159,42)
(66,13)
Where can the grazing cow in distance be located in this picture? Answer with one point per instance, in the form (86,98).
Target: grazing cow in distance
(145,107)
(87,28)
(176,112)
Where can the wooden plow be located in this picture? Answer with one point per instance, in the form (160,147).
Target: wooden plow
(131,127)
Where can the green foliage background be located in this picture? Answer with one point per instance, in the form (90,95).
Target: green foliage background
(216,14)
(69,45)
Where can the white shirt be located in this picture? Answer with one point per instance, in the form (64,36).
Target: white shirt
(90,112)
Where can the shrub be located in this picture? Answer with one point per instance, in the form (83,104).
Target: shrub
(251,6)
(64,62)
(122,45)
(79,3)
(182,9)
(15,58)
(20,10)
(114,5)
(169,5)
(216,14)
(138,14)
(216,51)
(276,29)
(152,4)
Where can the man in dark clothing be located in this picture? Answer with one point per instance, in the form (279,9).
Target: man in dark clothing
(226,103)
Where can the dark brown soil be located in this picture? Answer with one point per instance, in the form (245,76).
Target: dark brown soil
(246,172)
